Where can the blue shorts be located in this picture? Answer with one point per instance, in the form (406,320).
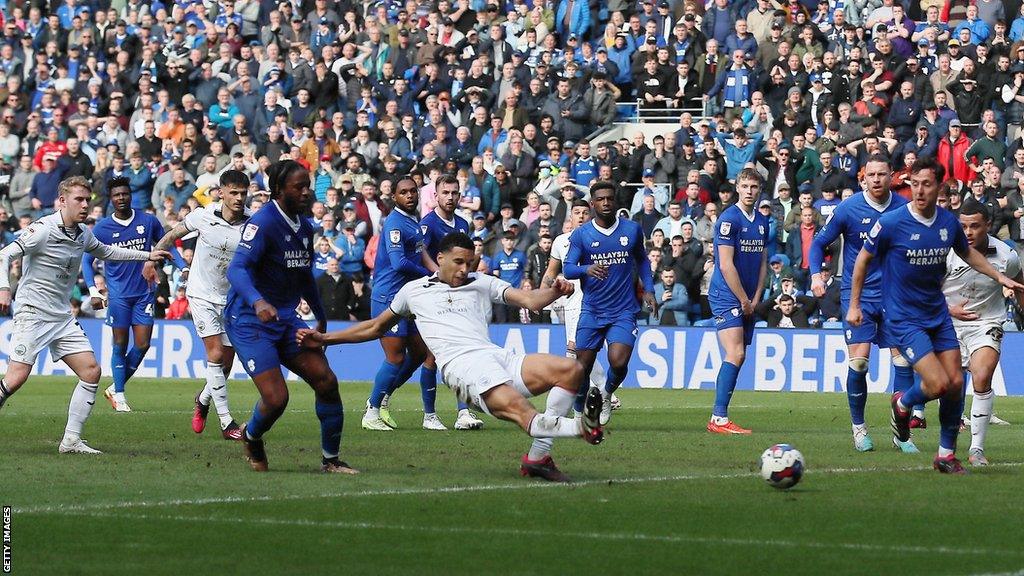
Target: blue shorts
(128,312)
(592,332)
(726,317)
(872,330)
(263,346)
(403,329)
(916,342)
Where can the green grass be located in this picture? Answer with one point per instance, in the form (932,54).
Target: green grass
(659,496)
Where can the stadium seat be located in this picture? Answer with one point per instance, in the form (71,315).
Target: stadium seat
(1009,326)
(832,325)
(760,324)
(705,323)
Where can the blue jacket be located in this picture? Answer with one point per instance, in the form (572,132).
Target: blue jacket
(622,59)
(141,183)
(351,259)
(678,304)
(579,20)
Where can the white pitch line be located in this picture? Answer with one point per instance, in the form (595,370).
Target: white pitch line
(592,536)
(73,508)
(188,411)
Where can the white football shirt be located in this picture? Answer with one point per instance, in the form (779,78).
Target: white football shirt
(975,291)
(451,320)
(51,263)
(559,250)
(215,247)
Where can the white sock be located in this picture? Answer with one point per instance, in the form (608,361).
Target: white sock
(82,400)
(981,413)
(205,396)
(546,426)
(560,401)
(720,420)
(860,428)
(463,412)
(943,452)
(372,413)
(217,384)
(598,376)
(119,397)
(917,411)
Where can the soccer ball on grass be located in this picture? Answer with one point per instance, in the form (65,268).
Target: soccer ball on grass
(782,466)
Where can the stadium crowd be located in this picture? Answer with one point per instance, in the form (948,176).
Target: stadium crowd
(506,97)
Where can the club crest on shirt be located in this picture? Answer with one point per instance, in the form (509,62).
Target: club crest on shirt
(305,242)
(140,229)
(725,228)
(875,229)
(623,240)
(250,232)
(423,229)
(943,234)
(760,229)
(395,236)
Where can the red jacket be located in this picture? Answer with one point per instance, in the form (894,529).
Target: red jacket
(951,156)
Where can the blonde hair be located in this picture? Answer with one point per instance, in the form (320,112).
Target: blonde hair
(75,181)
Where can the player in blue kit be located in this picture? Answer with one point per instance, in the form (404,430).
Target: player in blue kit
(741,235)
(912,244)
(131,285)
(852,220)
(440,222)
(607,255)
(271,270)
(399,260)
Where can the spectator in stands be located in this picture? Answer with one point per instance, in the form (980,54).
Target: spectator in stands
(786,314)
(335,291)
(799,244)
(673,301)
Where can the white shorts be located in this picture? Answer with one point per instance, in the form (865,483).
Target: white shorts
(473,374)
(32,334)
(208,318)
(974,337)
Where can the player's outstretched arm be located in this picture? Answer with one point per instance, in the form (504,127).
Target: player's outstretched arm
(860,272)
(365,331)
(175,234)
(554,269)
(537,299)
(978,261)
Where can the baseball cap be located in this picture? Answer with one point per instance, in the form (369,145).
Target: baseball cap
(513,222)
(953,42)
(923,42)
(954,123)
(479,216)
(815,78)
(764,203)
(569,144)
(775,259)
(348,226)
(345,178)
(648,172)
(506,205)
(348,206)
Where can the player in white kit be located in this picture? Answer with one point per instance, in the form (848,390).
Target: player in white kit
(219,228)
(497,381)
(978,308)
(51,250)
(579,214)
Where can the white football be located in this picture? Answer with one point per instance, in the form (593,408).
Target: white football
(782,466)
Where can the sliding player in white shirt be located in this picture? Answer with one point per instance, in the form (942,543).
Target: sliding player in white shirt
(579,215)
(51,249)
(220,228)
(497,381)
(978,308)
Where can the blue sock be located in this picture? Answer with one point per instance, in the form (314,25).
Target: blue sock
(724,387)
(615,378)
(382,382)
(428,388)
(117,367)
(405,371)
(857,394)
(903,378)
(914,396)
(259,424)
(462,405)
(581,394)
(332,419)
(950,410)
(133,360)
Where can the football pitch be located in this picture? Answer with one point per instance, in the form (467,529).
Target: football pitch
(660,495)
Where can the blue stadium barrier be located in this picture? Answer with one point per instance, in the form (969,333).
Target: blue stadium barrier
(665,357)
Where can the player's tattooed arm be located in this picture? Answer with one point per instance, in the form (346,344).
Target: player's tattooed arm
(554,269)
(176,233)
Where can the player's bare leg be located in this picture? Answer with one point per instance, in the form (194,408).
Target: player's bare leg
(16,376)
(82,400)
(219,359)
(312,366)
(273,400)
(982,365)
(618,369)
(734,345)
(942,379)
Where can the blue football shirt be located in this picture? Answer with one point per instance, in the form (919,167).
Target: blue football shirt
(621,249)
(398,255)
(124,279)
(434,229)
(748,236)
